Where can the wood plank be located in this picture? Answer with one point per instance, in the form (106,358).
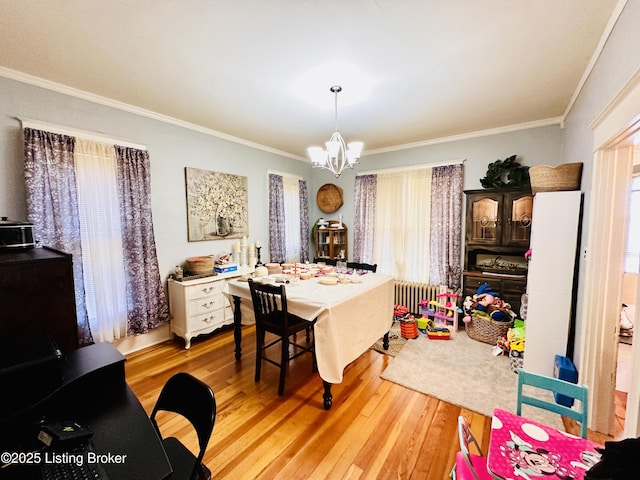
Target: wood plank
(375,429)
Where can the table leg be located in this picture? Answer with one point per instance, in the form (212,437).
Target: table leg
(237,326)
(385,341)
(328,398)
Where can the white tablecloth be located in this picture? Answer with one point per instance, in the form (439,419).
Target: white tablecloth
(351,317)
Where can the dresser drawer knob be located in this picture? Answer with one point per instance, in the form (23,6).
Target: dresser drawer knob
(208,305)
(208,289)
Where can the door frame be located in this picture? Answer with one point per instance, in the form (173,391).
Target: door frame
(616,130)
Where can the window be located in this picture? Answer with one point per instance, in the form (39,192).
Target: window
(93,200)
(288,218)
(291,191)
(408,221)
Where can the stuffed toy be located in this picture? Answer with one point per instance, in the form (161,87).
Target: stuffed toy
(488,301)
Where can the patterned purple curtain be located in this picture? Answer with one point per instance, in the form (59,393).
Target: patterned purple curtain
(146,299)
(304,221)
(52,205)
(446,225)
(277,246)
(364,217)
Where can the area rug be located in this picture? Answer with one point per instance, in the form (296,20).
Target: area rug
(463,372)
(396,341)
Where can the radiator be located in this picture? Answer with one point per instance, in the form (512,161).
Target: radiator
(410,294)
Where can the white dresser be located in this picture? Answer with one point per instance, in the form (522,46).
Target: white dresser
(198,306)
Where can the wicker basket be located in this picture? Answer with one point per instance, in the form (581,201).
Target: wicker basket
(199,265)
(486,330)
(545,178)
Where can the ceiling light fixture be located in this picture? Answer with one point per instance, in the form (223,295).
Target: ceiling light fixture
(338,155)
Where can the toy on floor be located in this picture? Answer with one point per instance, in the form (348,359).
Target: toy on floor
(489,303)
(437,333)
(443,310)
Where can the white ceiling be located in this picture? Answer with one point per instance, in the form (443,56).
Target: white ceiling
(411,70)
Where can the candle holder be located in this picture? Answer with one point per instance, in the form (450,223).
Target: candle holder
(259,263)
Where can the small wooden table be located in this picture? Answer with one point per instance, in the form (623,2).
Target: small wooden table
(522,448)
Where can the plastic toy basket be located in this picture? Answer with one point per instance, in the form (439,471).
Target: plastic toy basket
(408,329)
(486,330)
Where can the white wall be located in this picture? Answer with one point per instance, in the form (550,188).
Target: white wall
(617,64)
(171,148)
(534,146)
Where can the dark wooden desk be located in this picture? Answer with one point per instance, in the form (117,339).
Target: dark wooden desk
(94,394)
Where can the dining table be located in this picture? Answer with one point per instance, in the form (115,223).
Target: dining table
(520,448)
(350,316)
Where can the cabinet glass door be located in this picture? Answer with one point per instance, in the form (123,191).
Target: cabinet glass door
(519,213)
(340,245)
(484,218)
(324,243)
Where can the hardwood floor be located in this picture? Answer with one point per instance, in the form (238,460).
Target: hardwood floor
(375,429)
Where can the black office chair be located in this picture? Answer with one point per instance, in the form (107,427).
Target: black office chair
(272,315)
(193,399)
(362,266)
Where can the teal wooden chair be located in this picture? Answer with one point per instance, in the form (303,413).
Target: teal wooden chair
(555,385)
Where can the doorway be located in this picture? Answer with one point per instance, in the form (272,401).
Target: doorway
(628,298)
(616,132)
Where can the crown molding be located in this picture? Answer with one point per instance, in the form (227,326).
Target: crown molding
(91,97)
(466,136)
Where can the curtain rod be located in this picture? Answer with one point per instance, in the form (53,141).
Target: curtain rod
(79,133)
(411,167)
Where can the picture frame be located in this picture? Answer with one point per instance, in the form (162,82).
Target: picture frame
(217,205)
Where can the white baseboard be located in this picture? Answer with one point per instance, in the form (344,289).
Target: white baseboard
(137,342)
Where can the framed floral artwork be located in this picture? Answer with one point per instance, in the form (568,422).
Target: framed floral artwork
(217,205)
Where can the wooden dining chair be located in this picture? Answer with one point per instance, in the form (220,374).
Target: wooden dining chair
(272,315)
(326,261)
(469,465)
(362,266)
(555,386)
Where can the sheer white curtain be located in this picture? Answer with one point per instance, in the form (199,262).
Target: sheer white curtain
(292,215)
(101,237)
(402,228)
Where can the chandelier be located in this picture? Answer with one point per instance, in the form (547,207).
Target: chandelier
(338,155)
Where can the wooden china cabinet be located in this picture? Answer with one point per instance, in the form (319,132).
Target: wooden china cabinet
(331,241)
(498,229)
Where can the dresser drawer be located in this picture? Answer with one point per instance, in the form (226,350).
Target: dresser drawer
(205,305)
(206,320)
(204,290)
